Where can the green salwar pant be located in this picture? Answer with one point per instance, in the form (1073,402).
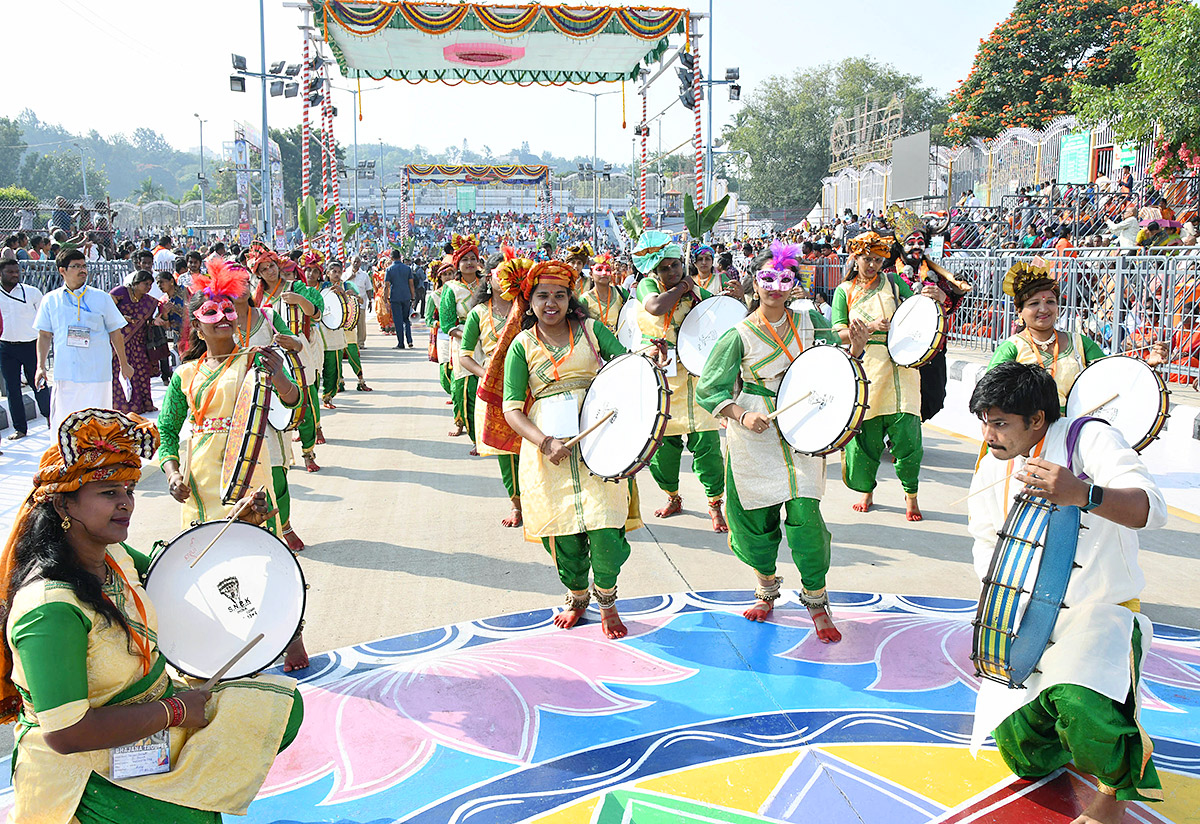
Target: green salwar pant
(860,463)
(310,421)
(444,379)
(106,803)
(754,535)
(463,394)
(706,462)
(509,473)
(283,496)
(331,373)
(355,359)
(600,550)
(1072,723)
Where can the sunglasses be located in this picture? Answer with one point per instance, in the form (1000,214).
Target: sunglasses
(212,311)
(774,280)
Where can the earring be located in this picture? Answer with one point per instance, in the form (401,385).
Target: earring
(66,523)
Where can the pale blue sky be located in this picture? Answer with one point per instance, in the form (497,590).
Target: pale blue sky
(110,65)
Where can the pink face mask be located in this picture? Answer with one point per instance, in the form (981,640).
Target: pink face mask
(774,280)
(212,311)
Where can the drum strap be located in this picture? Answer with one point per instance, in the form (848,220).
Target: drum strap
(758,389)
(1073,439)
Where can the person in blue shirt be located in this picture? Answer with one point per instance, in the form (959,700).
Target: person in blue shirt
(84,327)
(398,289)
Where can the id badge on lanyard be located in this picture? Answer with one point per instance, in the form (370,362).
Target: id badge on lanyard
(149,756)
(558,415)
(79,336)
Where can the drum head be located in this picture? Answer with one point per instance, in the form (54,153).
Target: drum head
(279,416)
(246,428)
(700,330)
(628,331)
(631,388)
(818,421)
(247,583)
(914,330)
(335,313)
(1139,409)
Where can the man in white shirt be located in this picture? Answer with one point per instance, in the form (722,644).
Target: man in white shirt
(19,304)
(361,278)
(1080,704)
(164,255)
(84,327)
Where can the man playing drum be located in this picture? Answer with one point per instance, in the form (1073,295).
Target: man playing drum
(1081,703)
(761,472)
(667,295)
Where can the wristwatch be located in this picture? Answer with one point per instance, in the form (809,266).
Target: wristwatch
(1095,497)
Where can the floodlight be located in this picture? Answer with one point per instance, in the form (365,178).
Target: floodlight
(239,63)
(276,88)
(292,70)
(276,68)
(291,90)
(732,74)
(237,83)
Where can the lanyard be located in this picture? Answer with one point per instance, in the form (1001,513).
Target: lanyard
(607,303)
(199,413)
(1038,352)
(770,327)
(854,292)
(143,644)
(556,363)
(269,300)
(79,300)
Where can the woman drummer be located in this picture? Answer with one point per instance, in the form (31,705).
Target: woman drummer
(605,299)
(440,273)
(705,275)
(895,391)
(311,269)
(82,675)
(761,471)
(277,289)
(548,366)
(452,311)
(1064,355)
(481,335)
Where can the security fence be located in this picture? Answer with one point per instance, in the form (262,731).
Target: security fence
(105,274)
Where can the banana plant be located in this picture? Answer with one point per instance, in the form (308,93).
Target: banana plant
(311,221)
(350,231)
(701,223)
(633,225)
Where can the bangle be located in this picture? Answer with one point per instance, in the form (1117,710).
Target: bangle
(178,711)
(742,416)
(166,707)
(544,448)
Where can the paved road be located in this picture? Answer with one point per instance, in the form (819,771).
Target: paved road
(403,527)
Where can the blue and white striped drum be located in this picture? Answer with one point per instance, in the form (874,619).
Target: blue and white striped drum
(1024,589)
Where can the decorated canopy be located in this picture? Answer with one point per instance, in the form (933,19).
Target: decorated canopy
(478,175)
(477,43)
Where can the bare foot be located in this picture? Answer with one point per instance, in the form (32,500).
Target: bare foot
(474,453)
(569,617)
(328,404)
(611,623)
(674,507)
(310,463)
(455,433)
(827,633)
(864,505)
(912,512)
(513,519)
(759,612)
(1104,809)
(717,516)
(293,540)
(362,387)
(295,657)
(320,436)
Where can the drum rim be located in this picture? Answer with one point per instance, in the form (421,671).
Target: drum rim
(860,405)
(350,311)
(662,418)
(939,335)
(303,593)
(264,385)
(341,302)
(691,312)
(1163,413)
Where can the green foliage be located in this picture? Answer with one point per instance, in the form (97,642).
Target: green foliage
(633,224)
(1025,70)
(12,146)
(350,231)
(1163,92)
(701,223)
(785,125)
(147,191)
(11,193)
(59,173)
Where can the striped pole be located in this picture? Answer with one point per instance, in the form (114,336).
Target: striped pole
(328,171)
(697,136)
(305,130)
(339,228)
(645,152)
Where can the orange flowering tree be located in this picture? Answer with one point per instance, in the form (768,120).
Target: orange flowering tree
(1024,72)
(1162,100)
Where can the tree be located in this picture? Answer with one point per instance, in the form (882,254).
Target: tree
(147,191)
(1162,93)
(12,146)
(58,173)
(785,126)
(1024,72)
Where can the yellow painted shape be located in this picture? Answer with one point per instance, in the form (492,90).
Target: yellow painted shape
(946,775)
(1181,801)
(739,784)
(578,813)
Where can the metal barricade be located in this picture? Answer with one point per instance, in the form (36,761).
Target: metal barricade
(105,274)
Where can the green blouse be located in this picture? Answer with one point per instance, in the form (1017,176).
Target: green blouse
(516,365)
(1007,351)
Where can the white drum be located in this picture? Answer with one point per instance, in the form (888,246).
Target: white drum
(1125,392)
(917,331)
(280,417)
(700,330)
(334,315)
(628,331)
(635,391)
(833,388)
(247,583)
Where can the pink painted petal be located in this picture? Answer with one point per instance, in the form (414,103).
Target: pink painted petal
(1172,665)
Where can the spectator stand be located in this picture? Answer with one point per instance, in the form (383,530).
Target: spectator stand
(469,177)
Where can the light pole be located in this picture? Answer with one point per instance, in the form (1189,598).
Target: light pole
(264,152)
(595,153)
(203,180)
(82,169)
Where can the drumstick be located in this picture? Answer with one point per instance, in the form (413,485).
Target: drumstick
(590,429)
(212,682)
(228,522)
(787,406)
(1102,403)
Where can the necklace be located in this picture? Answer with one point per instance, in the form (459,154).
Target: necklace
(1043,343)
